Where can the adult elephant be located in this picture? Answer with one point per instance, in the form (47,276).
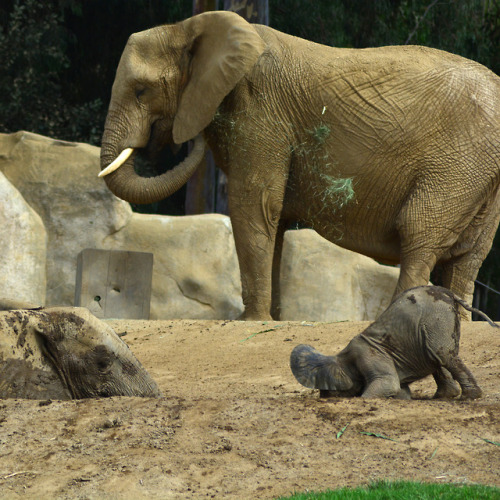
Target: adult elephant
(392,152)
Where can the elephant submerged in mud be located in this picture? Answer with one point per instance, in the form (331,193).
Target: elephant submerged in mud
(66,353)
(392,152)
(416,336)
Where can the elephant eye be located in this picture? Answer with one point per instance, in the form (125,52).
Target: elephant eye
(102,358)
(139,93)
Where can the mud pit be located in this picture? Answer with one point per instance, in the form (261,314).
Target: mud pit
(233,423)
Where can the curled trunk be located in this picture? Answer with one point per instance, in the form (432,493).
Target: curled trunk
(128,185)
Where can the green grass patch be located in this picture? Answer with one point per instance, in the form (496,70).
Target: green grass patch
(404,490)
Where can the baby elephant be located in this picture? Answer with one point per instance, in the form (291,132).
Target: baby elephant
(66,353)
(416,336)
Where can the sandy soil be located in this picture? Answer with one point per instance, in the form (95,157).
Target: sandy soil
(233,423)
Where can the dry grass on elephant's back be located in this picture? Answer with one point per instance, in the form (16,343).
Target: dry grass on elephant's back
(234,423)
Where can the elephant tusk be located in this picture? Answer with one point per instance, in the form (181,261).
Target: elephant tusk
(117,162)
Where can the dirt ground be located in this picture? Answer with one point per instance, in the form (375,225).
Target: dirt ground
(234,423)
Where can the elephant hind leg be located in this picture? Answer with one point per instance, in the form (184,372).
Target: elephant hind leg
(431,232)
(460,269)
(420,244)
(447,388)
(470,389)
(415,271)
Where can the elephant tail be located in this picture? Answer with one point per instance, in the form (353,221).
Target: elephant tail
(473,309)
(317,371)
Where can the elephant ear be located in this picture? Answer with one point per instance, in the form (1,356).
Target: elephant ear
(316,371)
(224,48)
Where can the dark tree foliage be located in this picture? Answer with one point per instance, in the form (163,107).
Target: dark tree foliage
(470,28)
(59,59)
(33,51)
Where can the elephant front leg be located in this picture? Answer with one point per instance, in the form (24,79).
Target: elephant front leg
(384,386)
(380,375)
(255,219)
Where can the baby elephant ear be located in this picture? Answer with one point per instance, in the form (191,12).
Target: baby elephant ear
(316,371)
(224,48)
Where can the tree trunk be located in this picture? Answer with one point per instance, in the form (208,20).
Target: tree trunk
(202,187)
(207,189)
(254,11)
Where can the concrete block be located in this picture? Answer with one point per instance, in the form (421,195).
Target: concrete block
(113,283)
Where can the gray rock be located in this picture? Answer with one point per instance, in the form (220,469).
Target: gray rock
(195,270)
(59,181)
(23,247)
(323,282)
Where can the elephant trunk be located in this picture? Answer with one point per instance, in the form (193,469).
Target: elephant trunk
(128,185)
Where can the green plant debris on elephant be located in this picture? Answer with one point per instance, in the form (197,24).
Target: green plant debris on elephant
(339,191)
(223,120)
(320,133)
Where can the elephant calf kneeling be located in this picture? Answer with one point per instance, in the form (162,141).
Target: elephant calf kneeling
(418,335)
(66,353)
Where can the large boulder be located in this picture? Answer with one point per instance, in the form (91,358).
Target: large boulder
(23,246)
(323,282)
(59,181)
(195,270)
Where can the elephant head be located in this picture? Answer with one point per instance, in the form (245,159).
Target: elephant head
(90,359)
(317,371)
(168,86)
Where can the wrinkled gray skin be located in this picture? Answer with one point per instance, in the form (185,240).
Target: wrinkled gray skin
(66,353)
(418,335)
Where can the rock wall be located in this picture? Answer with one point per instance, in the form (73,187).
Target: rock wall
(23,244)
(59,181)
(195,271)
(322,280)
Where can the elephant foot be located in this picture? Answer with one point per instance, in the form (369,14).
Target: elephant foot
(254,317)
(447,388)
(471,393)
(448,392)
(324,393)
